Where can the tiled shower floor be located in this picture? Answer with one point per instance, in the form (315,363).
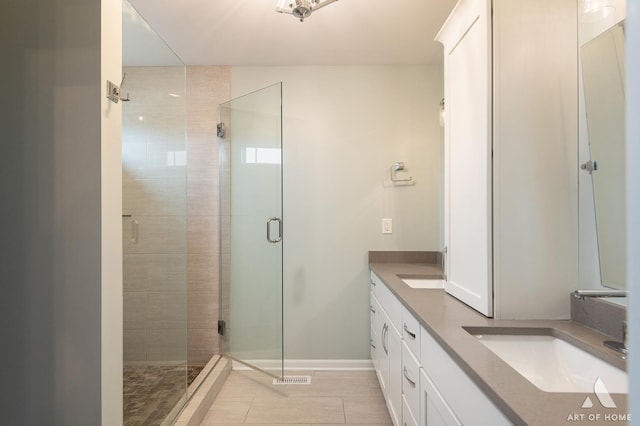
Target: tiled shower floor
(151,392)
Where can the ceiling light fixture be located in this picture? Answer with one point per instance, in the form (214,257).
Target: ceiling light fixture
(301,9)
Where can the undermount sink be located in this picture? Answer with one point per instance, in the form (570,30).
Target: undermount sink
(552,364)
(424,282)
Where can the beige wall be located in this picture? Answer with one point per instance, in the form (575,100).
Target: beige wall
(207,87)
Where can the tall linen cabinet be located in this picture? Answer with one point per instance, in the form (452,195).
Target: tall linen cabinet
(511,137)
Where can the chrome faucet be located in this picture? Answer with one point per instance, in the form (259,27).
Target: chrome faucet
(583,294)
(620,347)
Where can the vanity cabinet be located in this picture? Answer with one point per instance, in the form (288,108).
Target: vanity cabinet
(510,69)
(467,40)
(386,345)
(421,384)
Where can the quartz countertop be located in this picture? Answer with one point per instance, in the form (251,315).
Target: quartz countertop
(444,317)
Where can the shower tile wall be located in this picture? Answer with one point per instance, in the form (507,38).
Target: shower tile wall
(207,87)
(173,286)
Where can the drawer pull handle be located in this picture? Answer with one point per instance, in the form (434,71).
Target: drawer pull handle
(406,330)
(385,329)
(373,283)
(372,309)
(406,376)
(371,343)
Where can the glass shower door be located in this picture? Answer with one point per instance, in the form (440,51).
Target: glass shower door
(251,230)
(154,225)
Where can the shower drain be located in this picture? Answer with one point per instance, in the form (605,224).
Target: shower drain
(293,380)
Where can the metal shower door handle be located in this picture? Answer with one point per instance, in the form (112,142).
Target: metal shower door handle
(269,239)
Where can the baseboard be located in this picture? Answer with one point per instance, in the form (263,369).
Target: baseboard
(308,364)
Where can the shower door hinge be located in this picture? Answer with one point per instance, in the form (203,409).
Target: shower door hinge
(222,326)
(220,130)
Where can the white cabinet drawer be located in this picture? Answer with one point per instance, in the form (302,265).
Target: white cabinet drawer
(470,405)
(411,332)
(389,303)
(376,283)
(411,380)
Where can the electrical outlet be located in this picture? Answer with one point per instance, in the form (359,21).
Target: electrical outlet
(387,226)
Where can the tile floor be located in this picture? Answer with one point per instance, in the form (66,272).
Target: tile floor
(332,398)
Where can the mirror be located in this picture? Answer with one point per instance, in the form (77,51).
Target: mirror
(603,164)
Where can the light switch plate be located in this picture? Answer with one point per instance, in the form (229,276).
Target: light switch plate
(387,226)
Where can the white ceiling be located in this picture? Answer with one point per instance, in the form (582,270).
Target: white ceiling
(250,32)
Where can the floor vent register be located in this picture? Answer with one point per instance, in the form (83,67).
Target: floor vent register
(293,380)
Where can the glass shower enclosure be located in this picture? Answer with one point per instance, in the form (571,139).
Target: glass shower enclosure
(154,223)
(251,230)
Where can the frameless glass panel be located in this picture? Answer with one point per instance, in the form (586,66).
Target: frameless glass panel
(154,222)
(251,229)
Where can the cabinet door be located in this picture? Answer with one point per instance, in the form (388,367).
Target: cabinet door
(407,415)
(387,358)
(468,171)
(390,362)
(378,331)
(394,398)
(434,410)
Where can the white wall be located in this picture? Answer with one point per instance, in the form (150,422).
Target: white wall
(344,127)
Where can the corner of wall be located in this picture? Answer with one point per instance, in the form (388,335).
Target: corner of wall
(111,233)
